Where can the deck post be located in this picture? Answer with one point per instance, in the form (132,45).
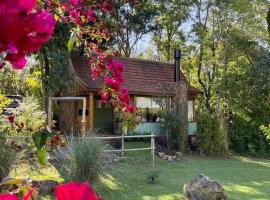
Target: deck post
(83,117)
(153,150)
(50,114)
(90,111)
(123,143)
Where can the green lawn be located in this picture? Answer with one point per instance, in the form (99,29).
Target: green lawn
(242,178)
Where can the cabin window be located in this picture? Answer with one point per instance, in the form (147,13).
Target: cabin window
(150,109)
(191,117)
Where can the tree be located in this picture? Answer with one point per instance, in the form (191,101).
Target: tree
(56,73)
(129,23)
(226,36)
(167,34)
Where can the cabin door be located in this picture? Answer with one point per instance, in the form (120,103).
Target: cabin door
(103,118)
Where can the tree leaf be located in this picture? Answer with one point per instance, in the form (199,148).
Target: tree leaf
(42,156)
(40,138)
(12,181)
(72,41)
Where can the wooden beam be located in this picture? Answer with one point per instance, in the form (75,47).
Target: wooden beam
(91,111)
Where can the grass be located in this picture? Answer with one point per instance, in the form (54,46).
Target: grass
(242,178)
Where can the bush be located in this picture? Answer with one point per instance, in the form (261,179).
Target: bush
(30,114)
(83,161)
(247,137)
(7,158)
(210,138)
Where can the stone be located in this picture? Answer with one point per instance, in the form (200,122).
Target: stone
(174,157)
(170,158)
(165,157)
(178,154)
(204,188)
(161,154)
(47,187)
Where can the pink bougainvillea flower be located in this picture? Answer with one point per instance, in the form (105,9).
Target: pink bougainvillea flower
(75,191)
(131,109)
(16,6)
(18,61)
(105,96)
(23,30)
(112,83)
(14,197)
(75,2)
(8,197)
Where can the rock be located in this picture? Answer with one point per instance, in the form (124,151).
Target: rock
(161,154)
(174,157)
(203,188)
(165,157)
(178,154)
(47,187)
(170,158)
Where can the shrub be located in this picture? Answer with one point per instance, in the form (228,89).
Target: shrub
(83,161)
(30,114)
(210,138)
(7,158)
(247,137)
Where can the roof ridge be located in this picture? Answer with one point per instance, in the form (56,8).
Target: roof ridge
(144,60)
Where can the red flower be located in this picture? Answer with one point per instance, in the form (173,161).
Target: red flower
(106,6)
(11,119)
(131,109)
(75,191)
(14,197)
(23,30)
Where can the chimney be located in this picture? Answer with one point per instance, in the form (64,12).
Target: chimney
(177,57)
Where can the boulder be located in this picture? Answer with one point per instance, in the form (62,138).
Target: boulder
(170,158)
(161,154)
(178,154)
(165,157)
(203,188)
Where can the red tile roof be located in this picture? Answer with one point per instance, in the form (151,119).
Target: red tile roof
(141,76)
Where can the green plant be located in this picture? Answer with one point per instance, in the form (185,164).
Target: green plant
(248,137)
(266,131)
(7,159)
(83,160)
(210,139)
(30,114)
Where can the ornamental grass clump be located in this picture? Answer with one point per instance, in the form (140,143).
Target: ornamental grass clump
(7,159)
(83,160)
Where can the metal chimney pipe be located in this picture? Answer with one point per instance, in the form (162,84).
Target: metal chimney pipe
(177,57)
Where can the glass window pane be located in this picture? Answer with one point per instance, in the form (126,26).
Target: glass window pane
(190,111)
(143,102)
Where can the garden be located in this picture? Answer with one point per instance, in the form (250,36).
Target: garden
(134,100)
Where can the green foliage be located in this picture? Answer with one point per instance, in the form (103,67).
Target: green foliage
(210,138)
(57,74)
(268,20)
(4,101)
(30,114)
(12,82)
(7,159)
(172,124)
(129,23)
(83,160)
(266,131)
(167,34)
(247,138)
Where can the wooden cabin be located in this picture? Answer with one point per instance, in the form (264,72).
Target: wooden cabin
(143,78)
